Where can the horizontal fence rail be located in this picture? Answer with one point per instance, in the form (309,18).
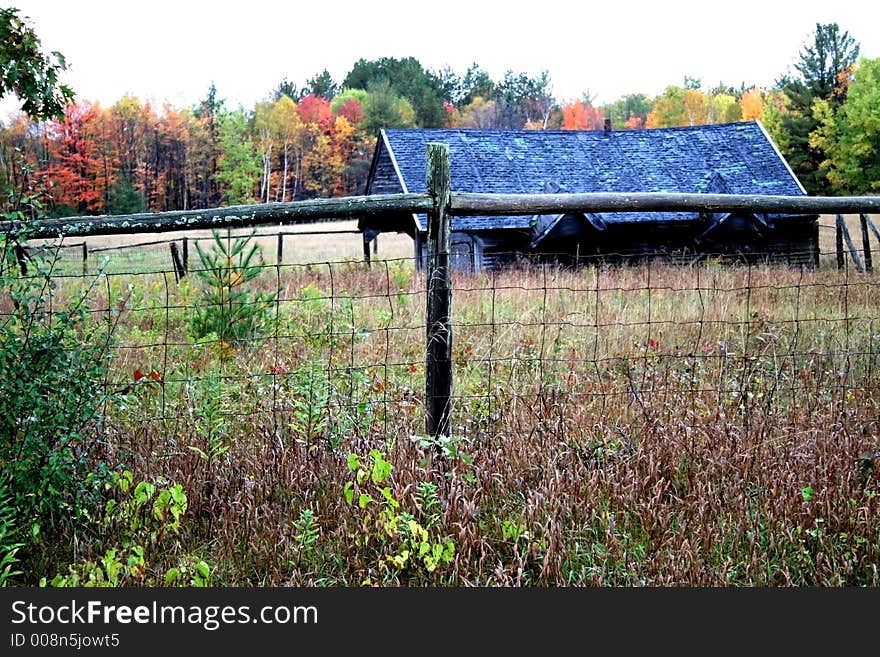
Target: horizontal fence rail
(236,216)
(460,204)
(471,204)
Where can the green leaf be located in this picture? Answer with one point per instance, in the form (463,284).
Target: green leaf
(348,491)
(172,575)
(203,569)
(353,462)
(364,499)
(389,497)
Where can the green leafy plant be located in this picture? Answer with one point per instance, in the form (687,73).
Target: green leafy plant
(306,536)
(9,543)
(136,520)
(210,405)
(54,361)
(405,546)
(227,305)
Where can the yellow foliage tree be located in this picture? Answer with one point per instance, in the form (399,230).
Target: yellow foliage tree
(752,104)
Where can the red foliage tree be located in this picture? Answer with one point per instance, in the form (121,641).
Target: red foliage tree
(580,116)
(77,165)
(314,109)
(352,111)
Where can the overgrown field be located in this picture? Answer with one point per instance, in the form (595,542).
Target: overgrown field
(263,425)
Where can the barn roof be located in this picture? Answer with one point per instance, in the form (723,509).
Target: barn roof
(735,158)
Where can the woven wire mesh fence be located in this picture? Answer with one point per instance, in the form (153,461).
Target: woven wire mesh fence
(610,354)
(601,354)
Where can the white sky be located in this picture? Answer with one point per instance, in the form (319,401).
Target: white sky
(171,51)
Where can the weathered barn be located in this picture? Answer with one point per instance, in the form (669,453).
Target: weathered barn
(734,158)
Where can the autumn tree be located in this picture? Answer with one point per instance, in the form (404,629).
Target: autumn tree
(631,111)
(287,127)
(316,109)
(350,103)
(74,165)
(479,113)
(174,136)
(751,104)
(723,107)
(206,154)
(696,107)
(668,109)
(581,116)
(265,133)
(130,124)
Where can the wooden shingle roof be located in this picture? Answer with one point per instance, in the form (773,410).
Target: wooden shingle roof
(738,158)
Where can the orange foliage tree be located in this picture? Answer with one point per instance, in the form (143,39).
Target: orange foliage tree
(81,173)
(581,116)
(752,103)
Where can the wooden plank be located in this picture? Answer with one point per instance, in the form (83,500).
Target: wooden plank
(838,244)
(438,360)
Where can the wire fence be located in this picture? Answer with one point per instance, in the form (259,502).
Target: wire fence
(601,354)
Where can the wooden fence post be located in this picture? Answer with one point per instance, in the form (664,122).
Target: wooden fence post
(866,243)
(279,257)
(366,238)
(185,255)
(85,254)
(179,273)
(21,256)
(438,361)
(838,243)
(841,228)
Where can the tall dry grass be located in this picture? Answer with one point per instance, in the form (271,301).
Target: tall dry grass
(635,425)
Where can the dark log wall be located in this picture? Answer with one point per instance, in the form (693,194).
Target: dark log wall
(794,242)
(385,181)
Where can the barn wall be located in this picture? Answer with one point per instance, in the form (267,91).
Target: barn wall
(385,181)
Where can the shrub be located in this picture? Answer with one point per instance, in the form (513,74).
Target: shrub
(54,360)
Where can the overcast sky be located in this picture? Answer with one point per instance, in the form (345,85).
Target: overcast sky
(171,51)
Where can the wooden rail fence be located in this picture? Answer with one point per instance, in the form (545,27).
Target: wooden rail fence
(440,204)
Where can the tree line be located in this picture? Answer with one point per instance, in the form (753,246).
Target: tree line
(316,140)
